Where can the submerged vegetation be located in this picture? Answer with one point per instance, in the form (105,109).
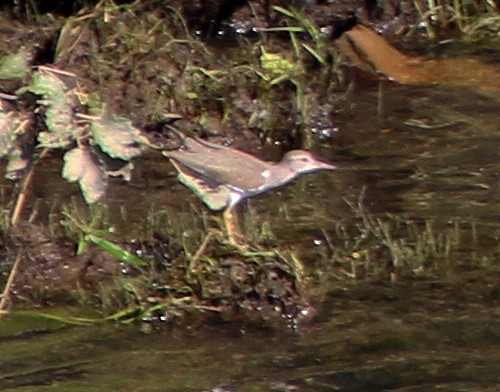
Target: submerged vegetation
(115,75)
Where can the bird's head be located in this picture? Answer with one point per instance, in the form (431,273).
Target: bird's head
(302,161)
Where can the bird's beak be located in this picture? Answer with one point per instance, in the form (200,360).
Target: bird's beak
(326,166)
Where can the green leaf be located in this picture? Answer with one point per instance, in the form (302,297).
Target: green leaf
(11,126)
(9,122)
(308,24)
(62,319)
(47,85)
(285,29)
(275,63)
(192,96)
(282,10)
(126,315)
(116,251)
(315,54)
(295,44)
(81,246)
(278,80)
(81,166)
(54,140)
(17,163)
(59,113)
(117,137)
(14,66)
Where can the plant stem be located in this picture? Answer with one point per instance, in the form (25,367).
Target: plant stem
(23,194)
(4,302)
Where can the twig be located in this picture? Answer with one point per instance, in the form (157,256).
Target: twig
(23,194)
(16,213)
(4,302)
(193,267)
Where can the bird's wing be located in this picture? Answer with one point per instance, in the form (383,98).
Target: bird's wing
(216,197)
(221,165)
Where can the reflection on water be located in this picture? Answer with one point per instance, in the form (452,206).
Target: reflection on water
(421,336)
(433,154)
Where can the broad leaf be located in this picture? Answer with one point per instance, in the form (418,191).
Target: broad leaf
(47,85)
(14,66)
(54,140)
(11,126)
(59,120)
(117,137)
(17,163)
(81,166)
(59,113)
(9,122)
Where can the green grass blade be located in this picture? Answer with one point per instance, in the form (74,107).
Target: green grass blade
(116,251)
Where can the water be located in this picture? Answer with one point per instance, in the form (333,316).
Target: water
(431,154)
(421,336)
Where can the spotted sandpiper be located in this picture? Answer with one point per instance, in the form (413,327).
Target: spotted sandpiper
(223,176)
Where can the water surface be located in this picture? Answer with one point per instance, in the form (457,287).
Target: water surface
(432,154)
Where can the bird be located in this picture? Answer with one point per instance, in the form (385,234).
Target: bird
(223,177)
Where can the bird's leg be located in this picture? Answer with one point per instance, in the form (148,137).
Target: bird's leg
(231,223)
